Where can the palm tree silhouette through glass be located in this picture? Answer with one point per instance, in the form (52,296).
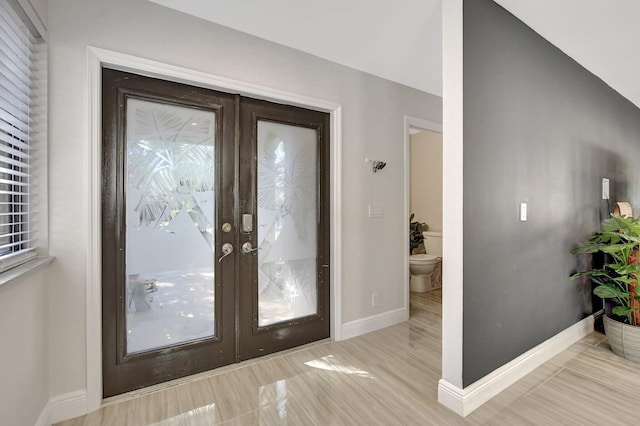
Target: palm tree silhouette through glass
(287,196)
(170,158)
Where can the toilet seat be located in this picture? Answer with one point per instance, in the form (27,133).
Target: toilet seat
(422,258)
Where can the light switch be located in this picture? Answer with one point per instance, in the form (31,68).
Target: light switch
(523,212)
(605,188)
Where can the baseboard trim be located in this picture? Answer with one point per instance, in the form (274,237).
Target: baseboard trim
(68,406)
(45,416)
(373,323)
(465,401)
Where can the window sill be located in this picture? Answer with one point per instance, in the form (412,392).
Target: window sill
(18,271)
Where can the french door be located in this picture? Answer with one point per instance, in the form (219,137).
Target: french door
(215,229)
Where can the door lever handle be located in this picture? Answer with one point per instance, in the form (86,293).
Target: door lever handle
(227,249)
(248,248)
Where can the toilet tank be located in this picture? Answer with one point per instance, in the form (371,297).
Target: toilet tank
(433,243)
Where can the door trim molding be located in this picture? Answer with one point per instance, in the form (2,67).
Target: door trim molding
(96,59)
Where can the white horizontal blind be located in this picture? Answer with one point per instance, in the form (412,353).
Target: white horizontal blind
(16,56)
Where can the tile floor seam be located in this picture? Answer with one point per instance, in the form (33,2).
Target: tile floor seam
(544,381)
(568,420)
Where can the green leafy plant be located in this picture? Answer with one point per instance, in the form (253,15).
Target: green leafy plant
(415,233)
(619,240)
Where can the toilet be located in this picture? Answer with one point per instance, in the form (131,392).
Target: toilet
(423,266)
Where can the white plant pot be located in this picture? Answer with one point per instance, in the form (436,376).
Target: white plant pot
(624,339)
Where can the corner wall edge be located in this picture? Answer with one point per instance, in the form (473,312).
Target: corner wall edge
(465,401)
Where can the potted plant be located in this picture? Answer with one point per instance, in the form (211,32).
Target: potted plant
(415,233)
(619,240)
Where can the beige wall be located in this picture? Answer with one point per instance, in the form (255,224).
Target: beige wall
(426,178)
(24,353)
(373,112)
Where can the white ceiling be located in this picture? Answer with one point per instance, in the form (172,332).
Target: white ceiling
(602,35)
(401,40)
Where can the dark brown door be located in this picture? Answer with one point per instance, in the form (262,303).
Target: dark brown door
(284,181)
(215,229)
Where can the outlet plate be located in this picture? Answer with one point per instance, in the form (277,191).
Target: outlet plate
(605,188)
(375,301)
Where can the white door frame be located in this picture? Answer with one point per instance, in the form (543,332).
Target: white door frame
(417,123)
(96,58)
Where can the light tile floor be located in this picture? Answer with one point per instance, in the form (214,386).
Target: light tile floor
(388,377)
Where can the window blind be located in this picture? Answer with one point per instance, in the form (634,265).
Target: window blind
(16,88)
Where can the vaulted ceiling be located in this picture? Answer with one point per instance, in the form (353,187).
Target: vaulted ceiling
(402,40)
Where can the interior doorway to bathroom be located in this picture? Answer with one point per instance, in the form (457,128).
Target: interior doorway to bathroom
(426,177)
(423,189)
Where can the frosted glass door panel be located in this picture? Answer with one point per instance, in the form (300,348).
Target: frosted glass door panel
(287,222)
(170,224)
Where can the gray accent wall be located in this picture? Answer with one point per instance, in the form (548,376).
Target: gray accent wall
(540,129)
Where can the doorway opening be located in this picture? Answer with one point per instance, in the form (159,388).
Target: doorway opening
(423,200)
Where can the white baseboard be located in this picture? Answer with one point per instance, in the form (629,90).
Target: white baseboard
(464,401)
(45,416)
(373,323)
(66,406)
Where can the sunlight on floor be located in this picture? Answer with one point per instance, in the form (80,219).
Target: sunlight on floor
(330,363)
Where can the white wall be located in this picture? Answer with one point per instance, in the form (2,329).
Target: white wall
(373,111)
(24,366)
(426,178)
(452,179)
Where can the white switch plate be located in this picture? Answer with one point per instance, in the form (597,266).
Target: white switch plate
(376,210)
(523,212)
(605,188)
